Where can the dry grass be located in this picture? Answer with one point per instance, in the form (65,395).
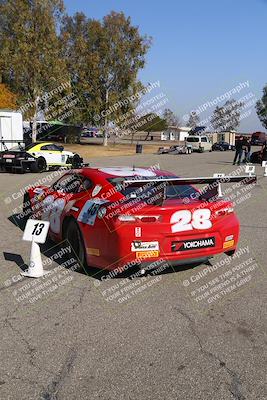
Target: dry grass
(94,150)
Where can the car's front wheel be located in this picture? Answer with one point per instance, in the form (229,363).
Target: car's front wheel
(27,208)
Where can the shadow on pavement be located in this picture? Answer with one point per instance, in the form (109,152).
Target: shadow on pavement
(50,248)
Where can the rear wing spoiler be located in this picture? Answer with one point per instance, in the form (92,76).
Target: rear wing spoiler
(213,183)
(4,141)
(194,181)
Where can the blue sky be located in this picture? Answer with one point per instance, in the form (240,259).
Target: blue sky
(201,48)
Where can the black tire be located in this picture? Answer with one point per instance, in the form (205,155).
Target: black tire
(22,170)
(255,158)
(39,165)
(74,236)
(27,208)
(76,161)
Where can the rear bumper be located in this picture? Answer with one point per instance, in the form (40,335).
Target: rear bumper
(15,164)
(226,239)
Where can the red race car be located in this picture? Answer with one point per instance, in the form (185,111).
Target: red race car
(116,216)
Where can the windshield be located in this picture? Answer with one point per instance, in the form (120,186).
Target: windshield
(144,190)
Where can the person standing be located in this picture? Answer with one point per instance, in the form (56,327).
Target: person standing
(263,152)
(244,147)
(238,150)
(248,151)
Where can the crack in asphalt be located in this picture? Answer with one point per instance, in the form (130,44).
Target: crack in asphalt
(51,392)
(81,296)
(235,386)
(30,350)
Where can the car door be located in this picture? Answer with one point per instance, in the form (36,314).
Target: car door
(205,143)
(52,154)
(59,195)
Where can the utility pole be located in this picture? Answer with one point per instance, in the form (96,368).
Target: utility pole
(34,122)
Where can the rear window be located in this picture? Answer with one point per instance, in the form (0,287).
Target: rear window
(143,190)
(30,146)
(192,139)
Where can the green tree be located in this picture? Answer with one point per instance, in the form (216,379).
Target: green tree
(261,108)
(30,50)
(104,58)
(151,123)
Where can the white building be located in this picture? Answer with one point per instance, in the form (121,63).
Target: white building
(175,133)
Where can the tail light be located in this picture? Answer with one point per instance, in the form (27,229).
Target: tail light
(126,218)
(139,218)
(224,211)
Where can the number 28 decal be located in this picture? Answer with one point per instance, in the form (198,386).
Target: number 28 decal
(185,220)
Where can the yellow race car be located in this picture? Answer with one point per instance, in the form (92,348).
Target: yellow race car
(38,157)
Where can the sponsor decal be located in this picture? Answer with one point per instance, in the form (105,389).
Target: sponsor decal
(89,211)
(147,254)
(92,251)
(96,190)
(38,190)
(101,212)
(193,244)
(138,231)
(144,246)
(228,244)
(230,237)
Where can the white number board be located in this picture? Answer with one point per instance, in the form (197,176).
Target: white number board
(36,230)
(250,169)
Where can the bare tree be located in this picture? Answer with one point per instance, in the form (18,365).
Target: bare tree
(193,120)
(227,117)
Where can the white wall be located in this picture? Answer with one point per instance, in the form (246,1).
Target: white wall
(11,127)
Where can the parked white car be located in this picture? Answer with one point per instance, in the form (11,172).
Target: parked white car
(199,143)
(38,157)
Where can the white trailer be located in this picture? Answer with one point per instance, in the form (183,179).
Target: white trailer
(11,128)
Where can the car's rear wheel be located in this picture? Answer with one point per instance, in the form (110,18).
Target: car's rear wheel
(76,161)
(255,158)
(27,208)
(73,234)
(39,165)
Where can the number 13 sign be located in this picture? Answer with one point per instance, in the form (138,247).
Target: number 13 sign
(36,231)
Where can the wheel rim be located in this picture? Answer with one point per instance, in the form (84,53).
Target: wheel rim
(41,164)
